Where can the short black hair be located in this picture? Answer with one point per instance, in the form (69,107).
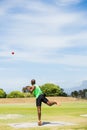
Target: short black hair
(33,81)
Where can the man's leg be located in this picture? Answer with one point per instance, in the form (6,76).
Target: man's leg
(39,115)
(50,103)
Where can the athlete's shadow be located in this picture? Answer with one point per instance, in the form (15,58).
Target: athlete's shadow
(46,123)
(51,123)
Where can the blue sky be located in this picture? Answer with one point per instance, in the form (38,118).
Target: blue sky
(49,38)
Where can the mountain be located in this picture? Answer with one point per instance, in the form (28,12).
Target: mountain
(77,88)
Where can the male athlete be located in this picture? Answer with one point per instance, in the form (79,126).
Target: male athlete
(40,97)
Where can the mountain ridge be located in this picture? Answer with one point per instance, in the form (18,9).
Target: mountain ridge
(77,88)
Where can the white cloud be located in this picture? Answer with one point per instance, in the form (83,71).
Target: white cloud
(1,12)
(42,30)
(36,34)
(55,20)
(40,7)
(74,60)
(42,56)
(67,2)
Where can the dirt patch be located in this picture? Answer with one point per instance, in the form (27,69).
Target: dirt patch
(28,125)
(31,100)
(16,100)
(10,116)
(85,115)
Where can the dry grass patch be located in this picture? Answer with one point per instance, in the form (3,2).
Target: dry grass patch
(31,100)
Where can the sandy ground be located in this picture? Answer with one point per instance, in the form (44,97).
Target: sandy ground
(29,125)
(31,100)
(10,116)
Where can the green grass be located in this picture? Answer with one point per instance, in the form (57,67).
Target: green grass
(67,112)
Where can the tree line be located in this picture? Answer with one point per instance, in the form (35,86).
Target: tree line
(49,89)
(79,93)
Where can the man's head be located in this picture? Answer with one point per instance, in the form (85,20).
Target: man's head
(33,81)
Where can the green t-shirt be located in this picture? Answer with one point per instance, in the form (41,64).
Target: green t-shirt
(37,91)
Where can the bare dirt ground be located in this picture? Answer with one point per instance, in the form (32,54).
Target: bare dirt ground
(31,100)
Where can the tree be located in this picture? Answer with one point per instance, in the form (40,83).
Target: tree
(80,93)
(85,93)
(2,93)
(51,89)
(24,90)
(63,93)
(74,94)
(15,94)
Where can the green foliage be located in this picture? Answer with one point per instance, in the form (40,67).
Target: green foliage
(2,93)
(74,94)
(26,95)
(51,89)
(63,93)
(79,94)
(24,90)
(15,94)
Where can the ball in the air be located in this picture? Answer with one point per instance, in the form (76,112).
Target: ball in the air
(12,53)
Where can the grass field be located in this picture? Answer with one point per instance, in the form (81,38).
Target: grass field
(69,111)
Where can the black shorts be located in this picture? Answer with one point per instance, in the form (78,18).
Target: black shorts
(41,99)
